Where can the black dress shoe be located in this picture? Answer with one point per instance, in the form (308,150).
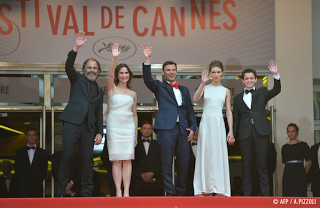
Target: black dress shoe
(170,195)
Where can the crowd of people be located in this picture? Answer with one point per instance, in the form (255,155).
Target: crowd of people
(175,126)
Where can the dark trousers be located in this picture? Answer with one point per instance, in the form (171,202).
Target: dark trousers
(173,141)
(316,193)
(255,146)
(72,134)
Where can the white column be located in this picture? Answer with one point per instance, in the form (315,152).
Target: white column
(293,22)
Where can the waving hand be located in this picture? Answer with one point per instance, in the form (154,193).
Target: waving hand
(147,52)
(115,50)
(273,67)
(80,41)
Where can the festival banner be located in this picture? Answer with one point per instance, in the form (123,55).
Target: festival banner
(237,32)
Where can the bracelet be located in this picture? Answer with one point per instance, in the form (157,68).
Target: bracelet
(114,58)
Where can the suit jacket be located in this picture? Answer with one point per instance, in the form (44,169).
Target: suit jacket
(168,106)
(242,115)
(80,104)
(75,174)
(148,163)
(13,190)
(314,173)
(30,177)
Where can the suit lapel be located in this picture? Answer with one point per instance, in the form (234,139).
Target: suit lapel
(253,97)
(141,147)
(182,92)
(99,93)
(86,86)
(150,147)
(169,87)
(242,101)
(26,156)
(35,156)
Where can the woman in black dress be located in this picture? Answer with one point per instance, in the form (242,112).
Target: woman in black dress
(294,153)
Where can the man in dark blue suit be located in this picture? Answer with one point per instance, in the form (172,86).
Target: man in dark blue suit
(175,122)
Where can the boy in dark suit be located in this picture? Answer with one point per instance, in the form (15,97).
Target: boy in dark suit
(31,167)
(175,122)
(8,182)
(148,164)
(82,120)
(251,126)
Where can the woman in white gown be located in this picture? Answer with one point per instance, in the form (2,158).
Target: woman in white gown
(122,122)
(211,175)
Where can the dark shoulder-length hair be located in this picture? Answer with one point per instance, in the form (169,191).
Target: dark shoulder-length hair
(116,78)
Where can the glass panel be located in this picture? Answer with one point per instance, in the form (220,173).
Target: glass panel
(316,105)
(316,136)
(25,89)
(60,90)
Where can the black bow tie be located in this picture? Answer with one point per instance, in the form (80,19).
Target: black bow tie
(7,178)
(33,147)
(146,140)
(247,91)
(193,143)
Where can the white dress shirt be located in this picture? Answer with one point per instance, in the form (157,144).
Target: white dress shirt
(146,144)
(7,182)
(31,153)
(247,98)
(177,94)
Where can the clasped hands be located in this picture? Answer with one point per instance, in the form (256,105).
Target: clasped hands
(230,138)
(68,188)
(147,177)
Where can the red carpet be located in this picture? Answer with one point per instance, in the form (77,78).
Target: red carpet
(163,202)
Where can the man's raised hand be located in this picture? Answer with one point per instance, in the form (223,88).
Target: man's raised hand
(147,52)
(80,41)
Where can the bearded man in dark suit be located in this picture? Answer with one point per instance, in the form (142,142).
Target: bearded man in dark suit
(82,120)
(251,126)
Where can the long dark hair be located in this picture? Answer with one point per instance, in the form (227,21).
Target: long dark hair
(116,78)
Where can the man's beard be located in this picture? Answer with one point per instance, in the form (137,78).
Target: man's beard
(91,78)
